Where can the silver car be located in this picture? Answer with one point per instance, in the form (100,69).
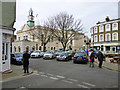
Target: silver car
(49,54)
(36,54)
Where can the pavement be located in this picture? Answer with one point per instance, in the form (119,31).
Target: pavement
(108,65)
(16,72)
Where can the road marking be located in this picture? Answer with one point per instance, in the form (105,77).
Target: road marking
(22,87)
(41,72)
(44,75)
(54,78)
(50,74)
(37,74)
(67,81)
(82,86)
(73,80)
(92,85)
(60,76)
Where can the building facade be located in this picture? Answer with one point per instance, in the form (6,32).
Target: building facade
(8,15)
(106,35)
(27,41)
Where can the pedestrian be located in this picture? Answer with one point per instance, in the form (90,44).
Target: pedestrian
(92,56)
(26,57)
(100,58)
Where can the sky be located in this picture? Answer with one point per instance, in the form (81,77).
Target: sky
(88,11)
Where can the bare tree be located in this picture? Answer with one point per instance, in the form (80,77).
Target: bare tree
(43,34)
(65,27)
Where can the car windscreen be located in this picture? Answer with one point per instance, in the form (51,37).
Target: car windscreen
(63,53)
(80,54)
(49,52)
(36,51)
(18,55)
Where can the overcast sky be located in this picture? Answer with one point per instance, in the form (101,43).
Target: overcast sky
(89,11)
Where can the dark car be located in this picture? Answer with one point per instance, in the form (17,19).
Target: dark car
(80,57)
(71,53)
(16,58)
(63,57)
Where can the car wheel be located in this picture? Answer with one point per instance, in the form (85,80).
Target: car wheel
(74,61)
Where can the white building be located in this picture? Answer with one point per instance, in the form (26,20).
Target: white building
(8,14)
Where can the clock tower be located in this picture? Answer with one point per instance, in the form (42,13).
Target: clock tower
(30,21)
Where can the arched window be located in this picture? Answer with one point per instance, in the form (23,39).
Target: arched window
(115,36)
(33,48)
(39,47)
(27,48)
(108,37)
(19,49)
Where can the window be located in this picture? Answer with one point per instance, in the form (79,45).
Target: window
(107,27)
(27,48)
(27,37)
(115,36)
(19,49)
(91,38)
(115,26)
(33,48)
(95,38)
(101,37)
(95,30)
(91,30)
(33,37)
(108,37)
(39,47)
(101,28)
(107,48)
(24,37)
(19,38)
(14,48)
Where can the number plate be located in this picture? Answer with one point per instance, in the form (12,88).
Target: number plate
(79,57)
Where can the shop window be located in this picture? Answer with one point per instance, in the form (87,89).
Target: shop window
(107,48)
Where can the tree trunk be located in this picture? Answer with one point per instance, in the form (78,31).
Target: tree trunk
(44,47)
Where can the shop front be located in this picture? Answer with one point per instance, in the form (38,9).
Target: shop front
(5,39)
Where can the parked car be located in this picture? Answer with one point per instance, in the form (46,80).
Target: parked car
(71,53)
(16,58)
(36,54)
(80,57)
(30,52)
(49,54)
(58,52)
(63,57)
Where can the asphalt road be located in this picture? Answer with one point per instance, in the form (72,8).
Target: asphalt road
(60,74)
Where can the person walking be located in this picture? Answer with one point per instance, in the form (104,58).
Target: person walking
(92,56)
(100,58)
(26,57)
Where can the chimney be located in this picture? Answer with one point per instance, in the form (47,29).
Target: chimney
(107,19)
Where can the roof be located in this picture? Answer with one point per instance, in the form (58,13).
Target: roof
(107,21)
